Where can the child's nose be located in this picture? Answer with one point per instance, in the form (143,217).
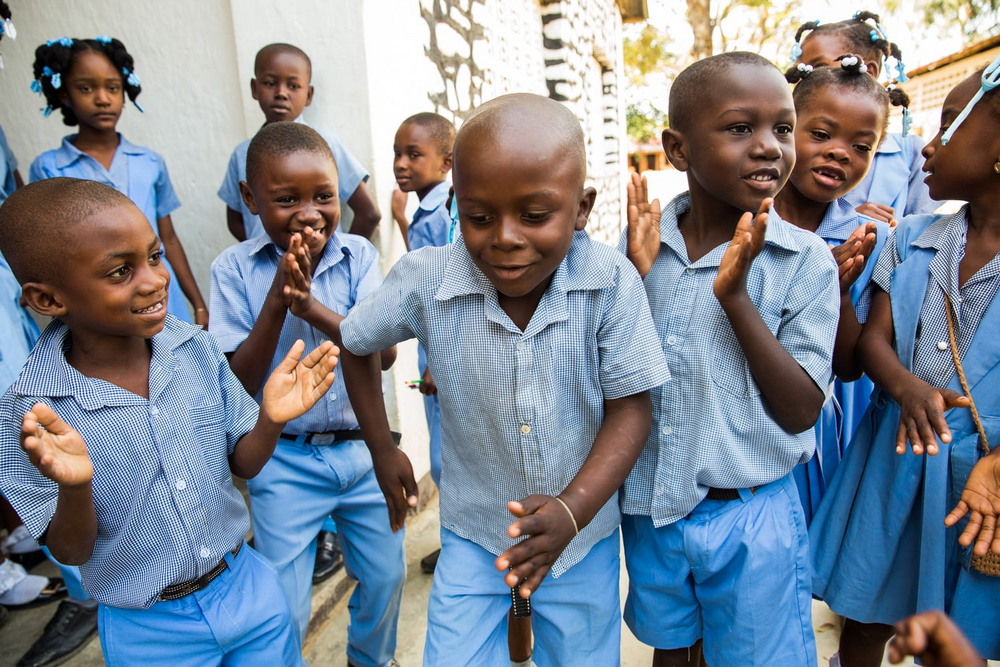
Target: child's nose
(836,152)
(153,279)
(766,145)
(508,233)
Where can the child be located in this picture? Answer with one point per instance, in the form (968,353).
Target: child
(543,353)
(715,539)
(881,527)
(281,85)
(841,117)
(87,80)
(894,185)
(268,291)
(136,484)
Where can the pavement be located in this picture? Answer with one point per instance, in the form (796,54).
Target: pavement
(326,642)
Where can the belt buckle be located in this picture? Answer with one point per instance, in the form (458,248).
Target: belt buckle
(323,439)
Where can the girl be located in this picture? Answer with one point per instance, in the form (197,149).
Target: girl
(894,185)
(87,80)
(881,548)
(841,118)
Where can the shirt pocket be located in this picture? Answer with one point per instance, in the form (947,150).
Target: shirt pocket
(730,370)
(209,428)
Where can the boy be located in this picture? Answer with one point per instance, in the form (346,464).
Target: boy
(422,159)
(281,85)
(544,351)
(715,540)
(136,484)
(284,285)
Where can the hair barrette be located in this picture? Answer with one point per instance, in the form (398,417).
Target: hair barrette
(103,39)
(796,52)
(131,77)
(7,28)
(873,34)
(805,68)
(47,110)
(907,121)
(901,72)
(64,41)
(57,80)
(989,81)
(36,86)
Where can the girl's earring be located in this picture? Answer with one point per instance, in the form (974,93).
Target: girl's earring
(996,166)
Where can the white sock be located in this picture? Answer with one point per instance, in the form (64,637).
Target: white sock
(17,586)
(525,663)
(20,542)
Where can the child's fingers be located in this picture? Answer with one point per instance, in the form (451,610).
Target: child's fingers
(953,399)
(984,537)
(288,364)
(961,509)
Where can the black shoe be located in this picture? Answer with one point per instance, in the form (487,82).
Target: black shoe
(28,559)
(429,562)
(328,556)
(65,634)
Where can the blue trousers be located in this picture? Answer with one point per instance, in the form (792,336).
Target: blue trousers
(576,618)
(291,498)
(241,618)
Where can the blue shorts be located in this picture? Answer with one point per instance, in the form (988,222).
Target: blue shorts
(575,618)
(239,618)
(733,572)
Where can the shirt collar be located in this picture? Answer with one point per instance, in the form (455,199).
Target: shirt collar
(839,221)
(891,144)
(47,373)
(938,233)
(437,196)
(67,153)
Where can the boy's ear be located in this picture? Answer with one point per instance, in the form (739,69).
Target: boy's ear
(675,147)
(586,206)
(309,97)
(253,87)
(247,196)
(446,163)
(43,298)
(873,68)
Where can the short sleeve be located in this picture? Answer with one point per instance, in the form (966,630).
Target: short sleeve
(384,318)
(232,317)
(886,263)
(241,409)
(229,191)
(810,313)
(166,199)
(350,172)
(631,357)
(371,274)
(32,495)
(38,170)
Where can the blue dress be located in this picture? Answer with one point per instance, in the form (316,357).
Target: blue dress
(880,550)
(136,172)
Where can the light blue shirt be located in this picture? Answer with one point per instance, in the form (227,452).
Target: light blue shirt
(167,510)
(8,165)
(18,331)
(896,178)
(519,409)
(431,221)
(711,427)
(350,174)
(242,275)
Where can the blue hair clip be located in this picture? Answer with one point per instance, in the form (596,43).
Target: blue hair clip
(901,72)
(64,40)
(57,80)
(47,71)
(36,86)
(796,52)
(47,110)
(453,212)
(103,39)
(989,81)
(874,35)
(907,121)
(131,77)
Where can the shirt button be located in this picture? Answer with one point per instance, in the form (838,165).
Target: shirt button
(332,395)
(205,553)
(671,340)
(520,345)
(942,345)
(667,430)
(180,485)
(689,271)
(525,429)
(154,410)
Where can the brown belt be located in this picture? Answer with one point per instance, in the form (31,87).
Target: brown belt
(177,591)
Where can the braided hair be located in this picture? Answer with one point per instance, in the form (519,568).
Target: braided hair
(54,61)
(863,34)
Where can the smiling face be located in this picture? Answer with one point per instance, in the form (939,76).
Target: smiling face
(836,135)
(294,191)
(114,282)
(738,148)
(963,169)
(520,199)
(94,91)
(281,85)
(418,162)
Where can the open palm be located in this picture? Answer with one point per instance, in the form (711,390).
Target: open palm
(55,447)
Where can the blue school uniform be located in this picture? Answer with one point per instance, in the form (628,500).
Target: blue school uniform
(429,227)
(520,411)
(350,175)
(136,172)
(687,550)
(8,165)
(317,476)
(167,510)
(896,178)
(844,407)
(881,550)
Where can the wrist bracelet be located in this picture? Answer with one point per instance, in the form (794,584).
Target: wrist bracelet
(572,518)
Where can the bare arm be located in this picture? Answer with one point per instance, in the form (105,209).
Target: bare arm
(234,221)
(398,207)
(178,260)
(366,213)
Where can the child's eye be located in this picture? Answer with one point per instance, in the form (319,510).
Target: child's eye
(83,88)
(478,219)
(326,197)
(822,135)
(740,128)
(294,86)
(535,217)
(285,200)
(156,257)
(414,156)
(120,272)
(783,130)
(114,88)
(864,148)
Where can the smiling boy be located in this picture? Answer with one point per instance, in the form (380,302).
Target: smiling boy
(291,283)
(136,485)
(746,310)
(544,353)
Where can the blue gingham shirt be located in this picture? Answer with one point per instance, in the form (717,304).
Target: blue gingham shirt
(711,427)
(350,174)
(837,225)
(242,274)
(167,510)
(431,221)
(947,237)
(519,409)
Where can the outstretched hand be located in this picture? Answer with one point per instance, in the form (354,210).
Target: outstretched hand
(550,528)
(55,447)
(296,384)
(980,500)
(643,232)
(853,253)
(921,417)
(748,240)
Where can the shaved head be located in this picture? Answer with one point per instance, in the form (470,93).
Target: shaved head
(693,84)
(272,50)
(276,140)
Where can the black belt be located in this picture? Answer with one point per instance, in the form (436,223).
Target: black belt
(177,591)
(334,437)
(726,494)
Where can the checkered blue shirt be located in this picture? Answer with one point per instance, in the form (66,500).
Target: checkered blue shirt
(167,510)
(711,428)
(242,274)
(947,237)
(519,410)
